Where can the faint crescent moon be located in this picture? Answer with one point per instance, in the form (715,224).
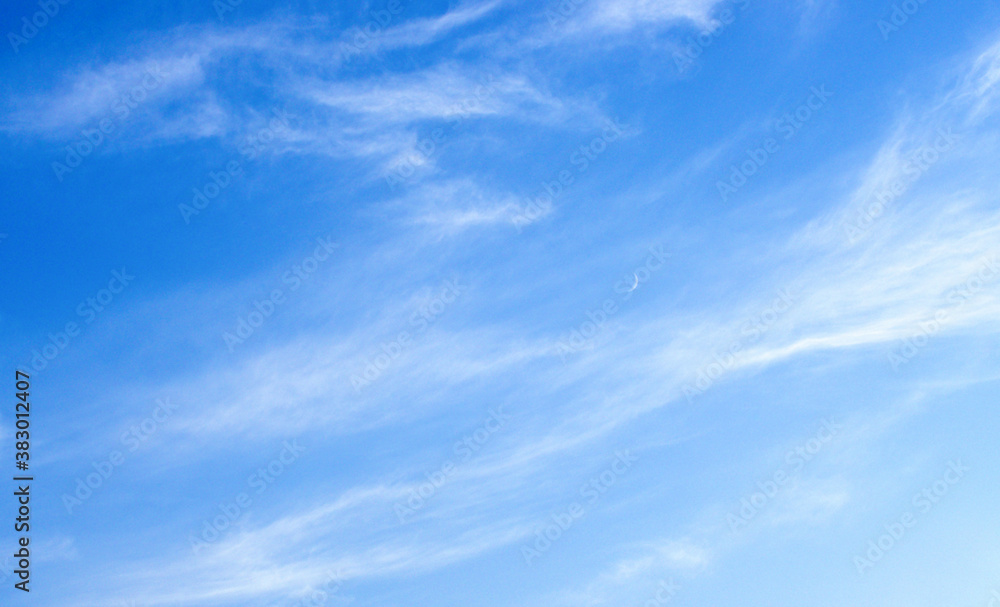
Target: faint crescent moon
(636,282)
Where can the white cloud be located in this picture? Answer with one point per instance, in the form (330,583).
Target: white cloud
(450,207)
(624,15)
(419,32)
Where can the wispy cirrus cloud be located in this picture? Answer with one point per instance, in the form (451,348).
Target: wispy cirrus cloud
(850,298)
(376,117)
(418,32)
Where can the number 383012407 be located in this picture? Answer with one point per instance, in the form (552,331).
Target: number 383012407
(22,412)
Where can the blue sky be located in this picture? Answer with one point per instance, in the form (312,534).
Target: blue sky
(608,302)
